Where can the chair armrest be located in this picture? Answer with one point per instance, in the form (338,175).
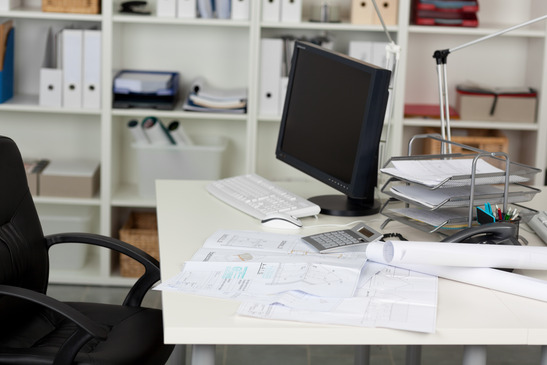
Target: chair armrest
(94,329)
(151,265)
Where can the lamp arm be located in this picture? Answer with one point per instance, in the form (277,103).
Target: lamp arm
(441,57)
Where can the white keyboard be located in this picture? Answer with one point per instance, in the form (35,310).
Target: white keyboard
(259,197)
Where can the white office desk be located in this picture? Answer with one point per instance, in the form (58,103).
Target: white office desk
(467,315)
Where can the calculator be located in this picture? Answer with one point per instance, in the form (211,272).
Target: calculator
(343,239)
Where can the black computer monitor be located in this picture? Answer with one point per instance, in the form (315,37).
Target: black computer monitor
(331,126)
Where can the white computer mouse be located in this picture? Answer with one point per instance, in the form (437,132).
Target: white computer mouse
(281,221)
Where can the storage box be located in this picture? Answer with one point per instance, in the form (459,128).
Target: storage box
(61,219)
(70,178)
(201,161)
(72,6)
(141,231)
(497,105)
(33,169)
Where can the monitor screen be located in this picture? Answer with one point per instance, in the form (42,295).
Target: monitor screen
(332,123)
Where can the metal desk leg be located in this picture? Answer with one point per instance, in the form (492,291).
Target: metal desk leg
(474,355)
(203,354)
(543,355)
(178,356)
(362,355)
(413,355)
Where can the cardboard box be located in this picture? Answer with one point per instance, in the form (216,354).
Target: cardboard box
(33,169)
(497,105)
(70,178)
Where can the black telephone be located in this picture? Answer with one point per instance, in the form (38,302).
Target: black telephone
(499,233)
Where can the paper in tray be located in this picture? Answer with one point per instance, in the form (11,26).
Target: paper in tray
(457,196)
(454,171)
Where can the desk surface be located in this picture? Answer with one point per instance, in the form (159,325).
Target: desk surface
(188,215)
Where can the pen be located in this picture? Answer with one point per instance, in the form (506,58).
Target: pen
(508,214)
(499,213)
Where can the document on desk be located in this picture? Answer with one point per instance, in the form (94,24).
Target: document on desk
(279,277)
(386,297)
(234,264)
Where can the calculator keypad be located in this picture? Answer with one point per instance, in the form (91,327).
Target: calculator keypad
(334,239)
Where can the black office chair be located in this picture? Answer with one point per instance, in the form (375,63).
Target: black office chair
(37,329)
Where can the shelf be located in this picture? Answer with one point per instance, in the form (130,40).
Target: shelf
(29,103)
(341,26)
(483,30)
(127,195)
(143,19)
(177,113)
(66,201)
(37,13)
(470,124)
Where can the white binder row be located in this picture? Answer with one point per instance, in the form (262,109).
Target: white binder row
(223,9)
(371,52)
(273,81)
(6,5)
(71,73)
(286,11)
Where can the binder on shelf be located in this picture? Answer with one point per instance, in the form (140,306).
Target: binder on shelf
(186,9)
(271,66)
(361,11)
(240,9)
(51,76)
(388,10)
(291,11)
(166,8)
(223,9)
(72,65)
(271,10)
(205,8)
(7,35)
(6,5)
(361,50)
(379,57)
(91,97)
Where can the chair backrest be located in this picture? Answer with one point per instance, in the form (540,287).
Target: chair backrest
(23,253)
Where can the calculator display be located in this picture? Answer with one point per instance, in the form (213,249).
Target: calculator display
(365,232)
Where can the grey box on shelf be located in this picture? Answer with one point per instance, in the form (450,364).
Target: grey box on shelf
(200,161)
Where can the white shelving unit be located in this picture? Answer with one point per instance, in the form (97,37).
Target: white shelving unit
(226,53)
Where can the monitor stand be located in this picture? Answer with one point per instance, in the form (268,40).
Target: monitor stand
(341,205)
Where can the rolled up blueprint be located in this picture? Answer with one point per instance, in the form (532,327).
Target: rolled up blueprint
(458,254)
(485,277)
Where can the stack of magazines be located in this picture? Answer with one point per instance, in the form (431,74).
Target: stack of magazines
(206,98)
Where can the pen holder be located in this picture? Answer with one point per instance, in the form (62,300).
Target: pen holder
(201,161)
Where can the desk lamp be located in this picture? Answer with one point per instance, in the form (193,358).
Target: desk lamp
(392,58)
(441,58)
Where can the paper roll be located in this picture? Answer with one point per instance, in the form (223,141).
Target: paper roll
(459,254)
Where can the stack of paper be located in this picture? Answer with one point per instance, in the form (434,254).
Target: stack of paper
(206,98)
(279,277)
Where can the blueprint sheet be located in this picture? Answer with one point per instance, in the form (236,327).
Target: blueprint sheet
(277,276)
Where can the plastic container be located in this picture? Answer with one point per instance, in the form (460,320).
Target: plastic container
(61,219)
(201,161)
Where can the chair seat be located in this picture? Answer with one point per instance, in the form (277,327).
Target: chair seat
(126,344)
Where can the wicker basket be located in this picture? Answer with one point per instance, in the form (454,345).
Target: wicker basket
(72,6)
(484,139)
(140,230)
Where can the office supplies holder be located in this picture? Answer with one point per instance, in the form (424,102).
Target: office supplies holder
(511,176)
